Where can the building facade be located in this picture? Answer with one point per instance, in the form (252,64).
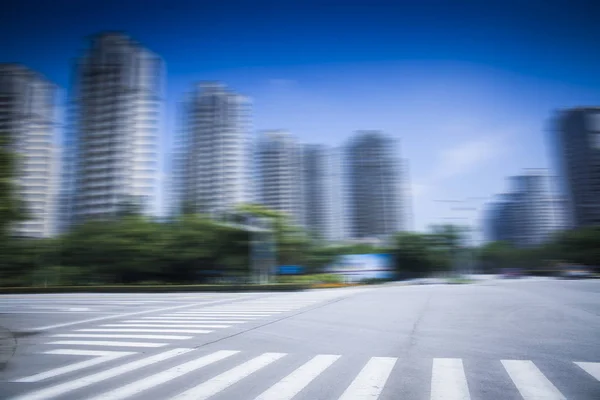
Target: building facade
(576,143)
(280,174)
(113,143)
(27,120)
(213,170)
(337,193)
(314,180)
(528,215)
(375,187)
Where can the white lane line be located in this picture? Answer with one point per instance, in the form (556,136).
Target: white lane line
(592,368)
(120,336)
(448,380)
(234,312)
(293,384)
(254,310)
(141,385)
(107,343)
(370,381)
(43,328)
(215,316)
(530,381)
(144,330)
(146,325)
(203,320)
(101,357)
(61,389)
(228,378)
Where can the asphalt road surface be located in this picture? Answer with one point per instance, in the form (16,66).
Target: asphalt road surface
(495,339)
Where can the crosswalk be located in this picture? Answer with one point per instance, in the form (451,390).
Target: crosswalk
(185,373)
(172,326)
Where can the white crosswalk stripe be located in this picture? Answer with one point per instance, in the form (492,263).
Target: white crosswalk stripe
(164,376)
(196,321)
(371,379)
(530,381)
(106,343)
(101,357)
(448,380)
(226,379)
(592,368)
(448,377)
(292,384)
(146,324)
(144,330)
(69,386)
(120,336)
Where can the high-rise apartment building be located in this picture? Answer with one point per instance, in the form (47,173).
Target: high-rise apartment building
(375,187)
(279,162)
(27,120)
(576,142)
(114,137)
(315,189)
(526,216)
(213,168)
(337,196)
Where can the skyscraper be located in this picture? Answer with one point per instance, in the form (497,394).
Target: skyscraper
(213,161)
(336,191)
(576,142)
(279,161)
(116,100)
(375,185)
(27,118)
(528,214)
(314,182)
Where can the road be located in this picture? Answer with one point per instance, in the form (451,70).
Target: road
(495,339)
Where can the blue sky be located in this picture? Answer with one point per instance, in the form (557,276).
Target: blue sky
(468,86)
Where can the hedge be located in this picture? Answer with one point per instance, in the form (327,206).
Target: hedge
(154,288)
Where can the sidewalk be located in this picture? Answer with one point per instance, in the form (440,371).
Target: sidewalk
(8,345)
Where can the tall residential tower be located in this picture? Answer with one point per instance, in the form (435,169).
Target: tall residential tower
(279,162)
(212,171)
(375,185)
(576,143)
(27,120)
(116,100)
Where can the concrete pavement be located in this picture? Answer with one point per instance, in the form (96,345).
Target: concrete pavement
(494,339)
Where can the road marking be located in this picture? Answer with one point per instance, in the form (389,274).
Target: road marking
(144,330)
(228,378)
(119,336)
(167,325)
(107,343)
(248,313)
(530,381)
(185,319)
(169,322)
(101,357)
(215,316)
(370,381)
(293,384)
(141,385)
(62,325)
(448,380)
(61,389)
(592,368)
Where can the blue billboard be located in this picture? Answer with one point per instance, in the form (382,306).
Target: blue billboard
(357,267)
(290,270)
